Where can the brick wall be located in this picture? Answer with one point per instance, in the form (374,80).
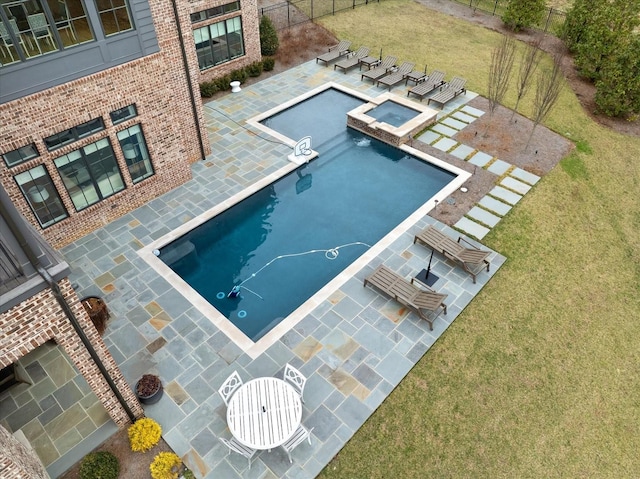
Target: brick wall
(157,85)
(250,32)
(17,461)
(39,319)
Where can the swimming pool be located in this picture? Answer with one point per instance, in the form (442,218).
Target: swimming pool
(393,113)
(314,208)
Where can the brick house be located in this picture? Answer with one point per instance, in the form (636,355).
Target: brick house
(100,112)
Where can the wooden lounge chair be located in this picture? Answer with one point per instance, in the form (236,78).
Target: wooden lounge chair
(397,76)
(381,69)
(454,88)
(335,52)
(352,60)
(427,304)
(433,81)
(473,259)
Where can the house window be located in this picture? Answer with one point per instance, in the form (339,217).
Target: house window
(42,196)
(35,27)
(134,149)
(122,114)
(215,12)
(90,174)
(114,16)
(219,42)
(65,137)
(22,154)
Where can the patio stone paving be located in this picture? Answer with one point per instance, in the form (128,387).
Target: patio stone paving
(354,347)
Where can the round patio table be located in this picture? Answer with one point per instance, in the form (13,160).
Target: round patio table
(264,412)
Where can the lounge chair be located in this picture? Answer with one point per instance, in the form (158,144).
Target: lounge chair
(433,81)
(473,259)
(397,76)
(352,60)
(427,304)
(452,89)
(335,52)
(381,69)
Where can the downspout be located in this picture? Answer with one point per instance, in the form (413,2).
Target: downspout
(35,262)
(185,64)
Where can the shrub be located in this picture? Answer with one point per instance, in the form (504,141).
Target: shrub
(187,474)
(268,63)
(208,88)
(239,75)
(102,464)
(166,465)
(521,14)
(255,69)
(222,83)
(144,434)
(269,42)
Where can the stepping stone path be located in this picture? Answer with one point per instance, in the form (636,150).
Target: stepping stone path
(515,182)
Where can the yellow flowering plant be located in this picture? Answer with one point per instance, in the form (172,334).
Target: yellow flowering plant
(166,465)
(144,434)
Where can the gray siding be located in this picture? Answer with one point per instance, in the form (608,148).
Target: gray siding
(37,74)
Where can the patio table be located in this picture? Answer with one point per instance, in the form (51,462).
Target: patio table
(369,62)
(264,413)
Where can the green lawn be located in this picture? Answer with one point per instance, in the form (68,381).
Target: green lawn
(540,376)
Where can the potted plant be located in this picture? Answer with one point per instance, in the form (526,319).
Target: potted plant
(144,434)
(149,389)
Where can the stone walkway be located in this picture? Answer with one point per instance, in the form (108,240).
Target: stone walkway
(514,182)
(354,348)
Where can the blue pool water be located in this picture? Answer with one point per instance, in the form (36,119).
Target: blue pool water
(286,241)
(393,113)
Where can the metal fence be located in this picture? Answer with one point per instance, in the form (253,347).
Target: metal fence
(551,21)
(287,14)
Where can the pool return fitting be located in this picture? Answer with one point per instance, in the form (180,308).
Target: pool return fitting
(330,254)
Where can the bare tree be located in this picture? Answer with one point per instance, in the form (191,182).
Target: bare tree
(528,64)
(547,92)
(500,72)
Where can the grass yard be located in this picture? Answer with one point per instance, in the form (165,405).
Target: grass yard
(539,377)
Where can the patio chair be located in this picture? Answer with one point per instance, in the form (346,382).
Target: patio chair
(452,89)
(397,76)
(472,259)
(426,304)
(295,378)
(433,81)
(352,60)
(298,438)
(229,386)
(335,52)
(235,446)
(40,29)
(381,69)
(5,39)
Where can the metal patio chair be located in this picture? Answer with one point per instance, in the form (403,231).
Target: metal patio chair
(229,386)
(296,379)
(298,438)
(235,446)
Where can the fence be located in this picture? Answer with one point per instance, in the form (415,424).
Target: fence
(287,14)
(551,21)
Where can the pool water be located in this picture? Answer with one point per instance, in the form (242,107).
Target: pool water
(393,113)
(279,246)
